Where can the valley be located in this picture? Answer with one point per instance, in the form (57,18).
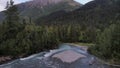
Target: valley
(36,27)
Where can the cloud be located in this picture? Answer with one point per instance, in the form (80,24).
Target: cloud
(1,8)
(83,1)
(3,3)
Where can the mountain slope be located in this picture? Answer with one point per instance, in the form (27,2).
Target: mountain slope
(97,13)
(38,8)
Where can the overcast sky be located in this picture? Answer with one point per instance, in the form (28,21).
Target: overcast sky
(3,2)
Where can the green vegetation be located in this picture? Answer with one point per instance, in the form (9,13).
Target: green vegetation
(84,44)
(23,38)
(108,44)
(29,38)
(108,41)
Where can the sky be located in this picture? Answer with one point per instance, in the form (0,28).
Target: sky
(83,1)
(3,2)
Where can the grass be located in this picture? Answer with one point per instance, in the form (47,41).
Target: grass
(84,44)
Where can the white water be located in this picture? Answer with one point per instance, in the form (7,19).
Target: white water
(40,60)
(27,58)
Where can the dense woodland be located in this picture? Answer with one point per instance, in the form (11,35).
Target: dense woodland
(97,25)
(108,44)
(22,38)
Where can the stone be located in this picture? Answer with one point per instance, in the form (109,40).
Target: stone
(68,56)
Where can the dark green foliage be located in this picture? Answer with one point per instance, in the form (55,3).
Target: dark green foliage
(108,43)
(11,14)
(29,38)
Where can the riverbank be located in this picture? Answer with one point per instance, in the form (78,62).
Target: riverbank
(7,59)
(54,59)
(86,47)
(4,59)
(71,49)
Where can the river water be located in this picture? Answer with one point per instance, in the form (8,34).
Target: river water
(44,60)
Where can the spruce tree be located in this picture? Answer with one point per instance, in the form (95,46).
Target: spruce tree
(12,14)
(11,20)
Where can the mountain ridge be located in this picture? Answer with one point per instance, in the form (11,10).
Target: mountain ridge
(42,3)
(92,14)
(38,8)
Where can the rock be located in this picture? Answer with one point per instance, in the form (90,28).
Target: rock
(5,58)
(92,61)
(68,56)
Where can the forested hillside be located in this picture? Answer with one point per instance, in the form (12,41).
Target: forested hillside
(98,13)
(37,8)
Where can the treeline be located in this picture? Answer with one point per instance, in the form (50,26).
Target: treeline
(108,44)
(28,38)
(108,41)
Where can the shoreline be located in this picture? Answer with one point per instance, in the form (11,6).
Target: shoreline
(5,59)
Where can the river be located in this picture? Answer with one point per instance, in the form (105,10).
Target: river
(45,60)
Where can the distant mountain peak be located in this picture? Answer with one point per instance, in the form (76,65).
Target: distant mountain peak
(41,3)
(39,8)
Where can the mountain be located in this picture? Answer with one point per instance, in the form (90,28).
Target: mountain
(97,13)
(38,8)
(42,3)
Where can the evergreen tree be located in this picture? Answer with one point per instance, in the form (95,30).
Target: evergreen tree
(11,20)
(12,14)
(108,43)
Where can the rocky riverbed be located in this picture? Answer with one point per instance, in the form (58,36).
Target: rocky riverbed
(67,56)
